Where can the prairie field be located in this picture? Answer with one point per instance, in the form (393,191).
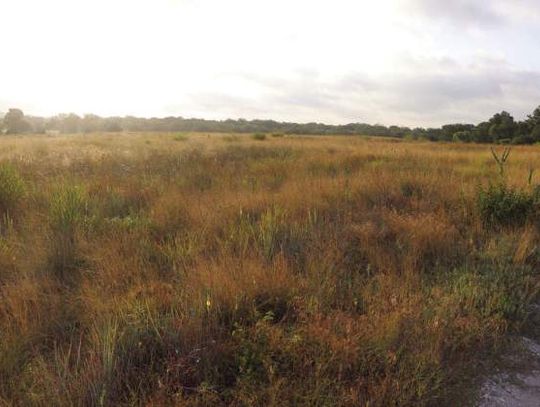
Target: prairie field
(193,269)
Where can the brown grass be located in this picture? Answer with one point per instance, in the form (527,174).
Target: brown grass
(153,269)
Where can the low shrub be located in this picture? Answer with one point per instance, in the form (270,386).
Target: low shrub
(501,205)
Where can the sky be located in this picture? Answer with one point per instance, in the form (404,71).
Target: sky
(404,62)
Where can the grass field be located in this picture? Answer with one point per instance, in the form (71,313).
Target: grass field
(198,270)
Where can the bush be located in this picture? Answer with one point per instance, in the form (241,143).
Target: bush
(278,135)
(500,205)
(259,136)
(12,189)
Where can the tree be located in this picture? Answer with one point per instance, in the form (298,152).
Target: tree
(71,123)
(14,122)
(90,123)
(502,126)
(465,136)
(533,119)
(481,133)
(448,130)
(535,133)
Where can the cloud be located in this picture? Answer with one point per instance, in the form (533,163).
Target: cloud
(475,13)
(429,97)
(457,12)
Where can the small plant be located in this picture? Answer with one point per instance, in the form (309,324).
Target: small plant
(259,136)
(278,135)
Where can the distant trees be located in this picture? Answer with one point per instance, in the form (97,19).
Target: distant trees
(15,122)
(71,123)
(533,124)
(500,128)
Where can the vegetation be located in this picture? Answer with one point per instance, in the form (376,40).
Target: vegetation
(328,271)
(259,136)
(501,128)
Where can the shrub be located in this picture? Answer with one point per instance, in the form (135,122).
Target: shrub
(259,136)
(12,189)
(501,205)
(278,135)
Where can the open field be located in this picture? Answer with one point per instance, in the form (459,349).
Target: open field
(197,270)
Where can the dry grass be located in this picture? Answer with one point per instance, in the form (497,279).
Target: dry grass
(166,269)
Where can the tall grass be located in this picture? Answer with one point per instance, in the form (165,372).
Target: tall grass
(298,271)
(12,190)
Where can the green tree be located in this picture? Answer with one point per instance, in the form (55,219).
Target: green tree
(481,133)
(533,119)
(502,126)
(465,136)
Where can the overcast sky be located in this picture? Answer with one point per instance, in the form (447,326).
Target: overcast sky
(407,62)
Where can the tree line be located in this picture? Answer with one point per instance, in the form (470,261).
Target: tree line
(501,128)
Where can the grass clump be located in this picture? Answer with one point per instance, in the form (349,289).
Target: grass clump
(67,215)
(180,137)
(68,208)
(12,189)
